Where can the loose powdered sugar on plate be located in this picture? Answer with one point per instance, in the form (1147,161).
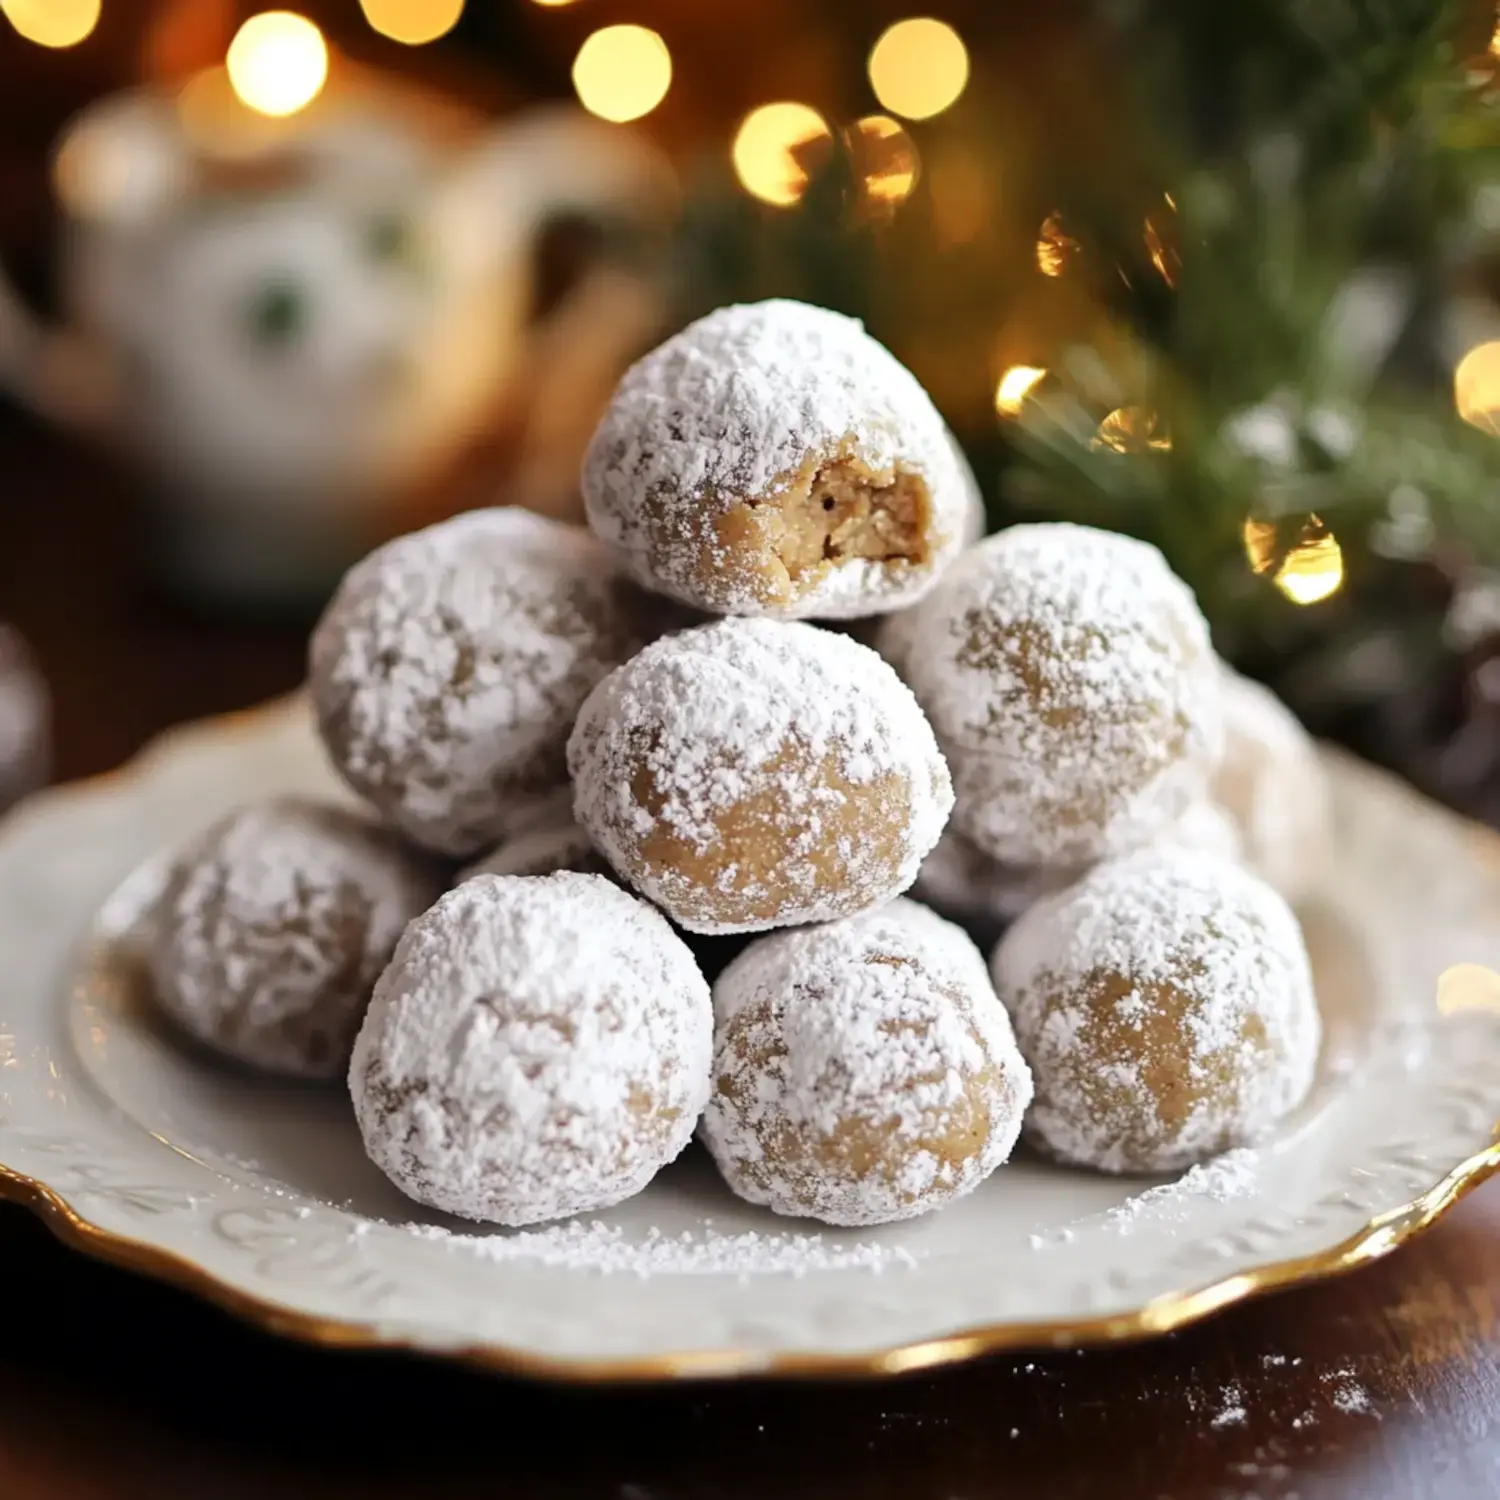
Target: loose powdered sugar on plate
(605,1248)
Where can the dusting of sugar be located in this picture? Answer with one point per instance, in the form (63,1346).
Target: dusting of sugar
(1274,787)
(275,925)
(1231,1412)
(1069,678)
(1167,927)
(739,708)
(883,1029)
(448,668)
(538,1047)
(728,413)
(605,1249)
(1348,1395)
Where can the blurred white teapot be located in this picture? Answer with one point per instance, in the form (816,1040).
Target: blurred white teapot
(296,323)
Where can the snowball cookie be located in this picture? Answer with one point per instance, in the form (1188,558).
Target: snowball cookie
(274,927)
(1069,677)
(1166,1007)
(758,773)
(773,459)
(863,1071)
(1274,787)
(538,1047)
(448,668)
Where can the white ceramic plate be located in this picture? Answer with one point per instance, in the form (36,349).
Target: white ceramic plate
(147,1152)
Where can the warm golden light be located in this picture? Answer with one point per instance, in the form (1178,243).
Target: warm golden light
(1314,568)
(553,4)
(918,68)
(1476,387)
(1162,252)
(885,157)
(1132,429)
(1467,987)
(278,62)
(1015,385)
(52,23)
(1054,248)
(622,73)
(1260,544)
(413,22)
(767,147)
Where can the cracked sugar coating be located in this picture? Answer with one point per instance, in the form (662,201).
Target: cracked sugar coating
(863,1071)
(538,1047)
(448,668)
(773,459)
(1273,785)
(274,927)
(1166,1006)
(757,773)
(1069,677)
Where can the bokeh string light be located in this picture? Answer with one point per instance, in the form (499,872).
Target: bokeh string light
(1015,385)
(1311,571)
(1476,387)
(918,68)
(1314,569)
(413,22)
(278,62)
(622,73)
(1132,429)
(1054,246)
(886,158)
(770,150)
(52,23)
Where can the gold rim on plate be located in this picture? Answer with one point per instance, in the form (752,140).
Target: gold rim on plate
(1376,1239)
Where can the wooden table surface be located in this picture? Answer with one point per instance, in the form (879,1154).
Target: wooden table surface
(1383,1385)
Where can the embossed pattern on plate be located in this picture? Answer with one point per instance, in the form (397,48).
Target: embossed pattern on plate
(256,1194)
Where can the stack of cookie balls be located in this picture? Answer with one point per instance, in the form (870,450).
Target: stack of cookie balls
(638,830)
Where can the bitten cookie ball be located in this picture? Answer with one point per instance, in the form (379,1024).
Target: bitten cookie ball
(275,925)
(1069,677)
(1274,787)
(538,1047)
(753,773)
(773,459)
(448,668)
(863,1071)
(1165,1004)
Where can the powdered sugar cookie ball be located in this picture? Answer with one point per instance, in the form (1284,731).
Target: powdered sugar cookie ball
(537,1048)
(1166,1006)
(864,1071)
(1069,677)
(274,927)
(448,668)
(1274,787)
(773,459)
(754,773)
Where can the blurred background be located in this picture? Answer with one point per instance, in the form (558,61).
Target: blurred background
(278,284)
